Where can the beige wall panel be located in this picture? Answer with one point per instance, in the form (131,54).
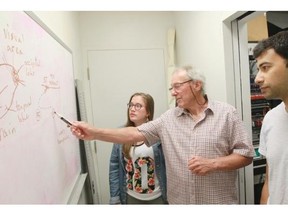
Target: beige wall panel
(257,28)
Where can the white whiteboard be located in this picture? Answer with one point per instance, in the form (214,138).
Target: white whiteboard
(39,157)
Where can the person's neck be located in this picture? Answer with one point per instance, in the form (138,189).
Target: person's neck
(285,101)
(138,123)
(286,105)
(197,110)
(198,106)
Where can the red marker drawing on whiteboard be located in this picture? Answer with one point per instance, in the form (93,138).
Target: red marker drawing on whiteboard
(63,119)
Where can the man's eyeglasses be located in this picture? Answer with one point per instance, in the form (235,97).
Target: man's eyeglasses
(136,106)
(177,86)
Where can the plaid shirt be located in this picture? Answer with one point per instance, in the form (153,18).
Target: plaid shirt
(219,133)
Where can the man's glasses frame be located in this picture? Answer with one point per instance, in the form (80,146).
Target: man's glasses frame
(177,86)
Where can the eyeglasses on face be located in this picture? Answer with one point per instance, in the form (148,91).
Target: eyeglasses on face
(136,106)
(177,86)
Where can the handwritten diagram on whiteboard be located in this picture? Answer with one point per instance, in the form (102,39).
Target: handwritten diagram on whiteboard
(39,158)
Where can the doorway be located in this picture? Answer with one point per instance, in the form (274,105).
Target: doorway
(248,30)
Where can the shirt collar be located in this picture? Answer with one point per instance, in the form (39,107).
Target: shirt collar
(211,107)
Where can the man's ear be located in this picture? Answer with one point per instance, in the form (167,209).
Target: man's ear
(198,85)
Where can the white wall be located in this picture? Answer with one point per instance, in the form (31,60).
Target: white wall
(199,41)
(122,30)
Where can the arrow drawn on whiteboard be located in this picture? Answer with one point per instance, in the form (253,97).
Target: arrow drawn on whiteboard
(51,91)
